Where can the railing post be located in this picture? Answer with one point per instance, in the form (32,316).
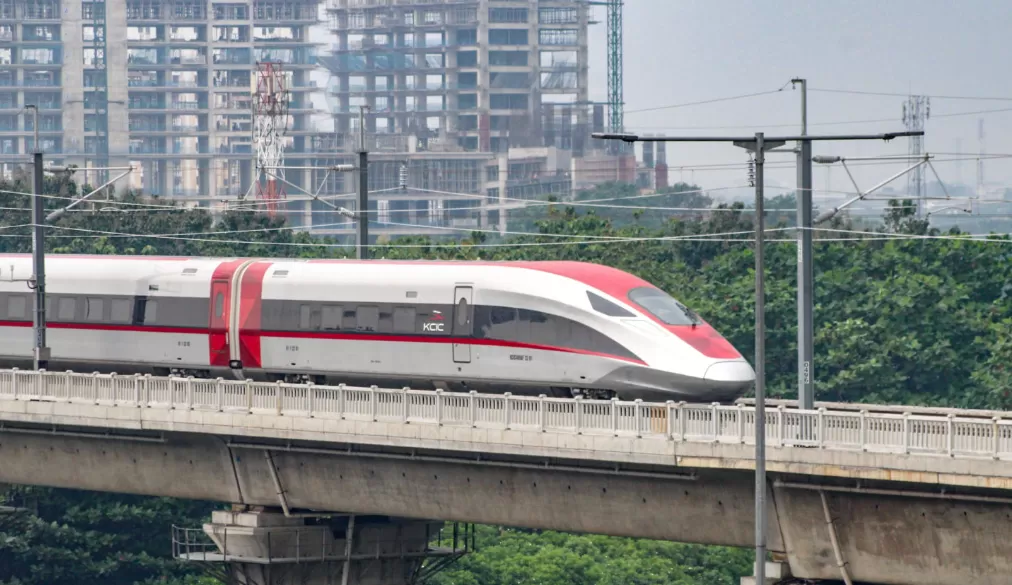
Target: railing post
(248,384)
(137,390)
(219,387)
(341,400)
(507,409)
(189,392)
(638,416)
(782,426)
(614,416)
(950,437)
(681,421)
(715,426)
(864,430)
(277,397)
(14,383)
(94,387)
(310,400)
(906,432)
(147,390)
(373,399)
(996,431)
(741,424)
(473,403)
(578,414)
(439,407)
(541,412)
(40,383)
(406,406)
(822,427)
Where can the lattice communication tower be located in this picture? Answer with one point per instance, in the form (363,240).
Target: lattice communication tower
(916,110)
(270,123)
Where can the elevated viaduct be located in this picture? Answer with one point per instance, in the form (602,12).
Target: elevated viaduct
(897,498)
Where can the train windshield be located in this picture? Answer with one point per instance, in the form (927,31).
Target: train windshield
(661,305)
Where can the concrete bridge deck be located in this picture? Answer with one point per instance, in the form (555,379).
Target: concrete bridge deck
(909,498)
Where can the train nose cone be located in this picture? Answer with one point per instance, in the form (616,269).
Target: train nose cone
(730,374)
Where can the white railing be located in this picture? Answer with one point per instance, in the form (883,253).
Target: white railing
(948,435)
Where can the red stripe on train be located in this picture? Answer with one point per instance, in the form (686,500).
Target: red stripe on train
(250,311)
(442,340)
(257,335)
(217,336)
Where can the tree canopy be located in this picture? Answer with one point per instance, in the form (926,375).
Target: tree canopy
(922,319)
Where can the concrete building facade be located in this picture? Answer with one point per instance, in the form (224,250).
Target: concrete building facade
(164,86)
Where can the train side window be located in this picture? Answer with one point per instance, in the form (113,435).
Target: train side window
(16,306)
(219,305)
(606,307)
(332,317)
(367,318)
(150,312)
(309,317)
(67,307)
(349,322)
(404,320)
(122,310)
(94,307)
(386,322)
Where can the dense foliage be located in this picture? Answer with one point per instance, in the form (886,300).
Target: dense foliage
(923,320)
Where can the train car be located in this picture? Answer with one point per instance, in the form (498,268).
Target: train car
(560,328)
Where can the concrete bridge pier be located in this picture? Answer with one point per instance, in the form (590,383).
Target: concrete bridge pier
(268,547)
(777,571)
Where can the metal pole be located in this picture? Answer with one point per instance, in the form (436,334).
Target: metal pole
(40,355)
(362,250)
(760,370)
(806,272)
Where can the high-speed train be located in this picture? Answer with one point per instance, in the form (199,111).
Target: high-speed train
(558,328)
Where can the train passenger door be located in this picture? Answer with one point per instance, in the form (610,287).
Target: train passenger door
(463,322)
(219,329)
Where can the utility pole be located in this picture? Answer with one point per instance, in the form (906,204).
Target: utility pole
(40,355)
(758,144)
(806,271)
(760,364)
(362,249)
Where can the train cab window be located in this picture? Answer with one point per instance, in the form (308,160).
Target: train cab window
(404,320)
(332,317)
(150,311)
(219,305)
(386,322)
(367,318)
(94,307)
(122,310)
(67,307)
(606,307)
(16,306)
(661,305)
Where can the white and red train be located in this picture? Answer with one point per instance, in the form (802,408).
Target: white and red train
(525,327)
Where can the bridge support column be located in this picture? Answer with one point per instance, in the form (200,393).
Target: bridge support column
(776,571)
(269,548)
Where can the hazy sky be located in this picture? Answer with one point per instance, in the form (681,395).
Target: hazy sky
(679,51)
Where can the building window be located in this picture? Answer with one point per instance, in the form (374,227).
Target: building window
(507,15)
(557,36)
(558,16)
(508,36)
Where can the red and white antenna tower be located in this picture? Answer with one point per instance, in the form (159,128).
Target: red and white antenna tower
(270,122)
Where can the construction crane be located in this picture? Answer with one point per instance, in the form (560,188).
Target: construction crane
(614,32)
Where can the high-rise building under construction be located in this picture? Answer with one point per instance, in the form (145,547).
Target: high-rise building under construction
(471,75)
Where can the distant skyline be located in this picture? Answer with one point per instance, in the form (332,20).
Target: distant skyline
(695,50)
